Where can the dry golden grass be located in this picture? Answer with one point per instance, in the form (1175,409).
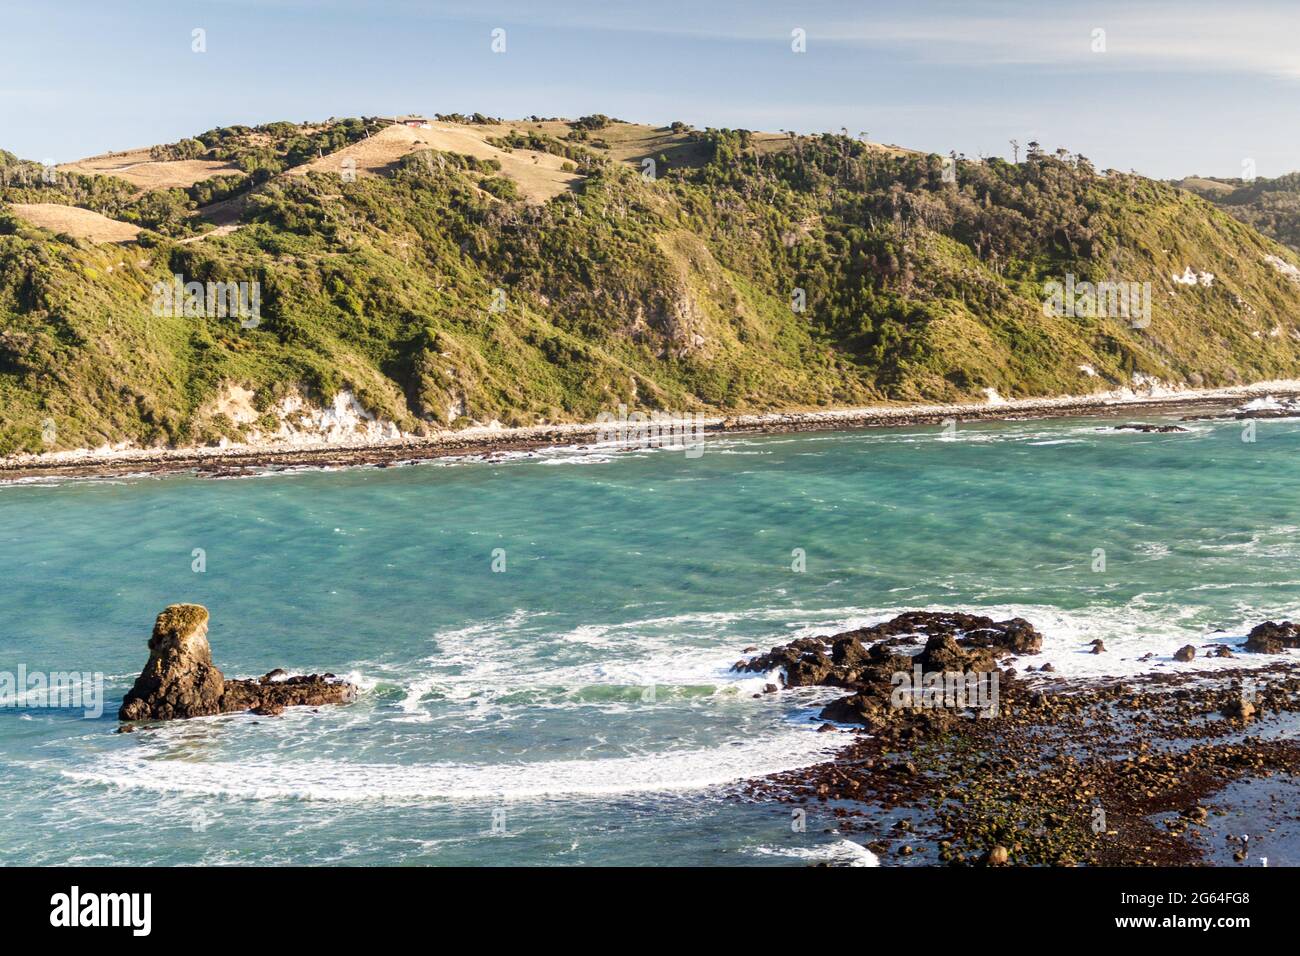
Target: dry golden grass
(539,176)
(219,231)
(139,170)
(76,222)
(1206,187)
(633,142)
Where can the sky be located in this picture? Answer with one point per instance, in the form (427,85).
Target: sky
(1165,88)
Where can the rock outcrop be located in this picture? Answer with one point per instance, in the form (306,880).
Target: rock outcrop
(179,680)
(1239,709)
(1145,427)
(963,642)
(1272,638)
(865,660)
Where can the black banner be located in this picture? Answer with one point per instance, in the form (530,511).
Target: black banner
(137,905)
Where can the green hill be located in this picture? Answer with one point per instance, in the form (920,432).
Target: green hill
(1270,205)
(439,290)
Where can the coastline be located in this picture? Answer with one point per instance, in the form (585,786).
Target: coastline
(236,459)
(1160,749)
(1179,762)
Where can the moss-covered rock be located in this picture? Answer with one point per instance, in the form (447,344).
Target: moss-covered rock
(179,680)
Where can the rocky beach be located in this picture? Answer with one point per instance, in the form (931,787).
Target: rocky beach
(1053,637)
(487,441)
(1109,773)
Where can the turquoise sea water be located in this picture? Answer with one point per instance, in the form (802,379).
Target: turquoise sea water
(577,707)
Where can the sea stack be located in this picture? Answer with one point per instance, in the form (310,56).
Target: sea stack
(179,680)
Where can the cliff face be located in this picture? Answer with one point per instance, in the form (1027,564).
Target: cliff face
(737,272)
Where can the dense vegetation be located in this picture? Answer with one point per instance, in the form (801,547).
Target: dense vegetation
(582,158)
(273,147)
(1270,205)
(170,212)
(820,271)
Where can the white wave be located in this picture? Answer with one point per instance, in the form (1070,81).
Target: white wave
(479,664)
(483,663)
(266,777)
(593,458)
(1131,632)
(1152,549)
(1276,542)
(1266,403)
(844,852)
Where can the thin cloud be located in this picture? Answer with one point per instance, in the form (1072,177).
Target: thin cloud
(1250,38)
(1234,40)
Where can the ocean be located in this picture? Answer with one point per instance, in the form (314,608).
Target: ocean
(544,640)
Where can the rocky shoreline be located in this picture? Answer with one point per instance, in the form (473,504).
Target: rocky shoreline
(236,460)
(1121,772)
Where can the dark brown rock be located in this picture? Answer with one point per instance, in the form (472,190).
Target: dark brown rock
(805,662)
(1185,653)
(179,680)
(838,659)
(865,661)
(1238,709)
(943,653)
(1016,635)
(848,652)
(1272,638)
(857,709)
(1145,427)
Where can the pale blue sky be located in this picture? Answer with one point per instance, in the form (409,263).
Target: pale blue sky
(1183,86)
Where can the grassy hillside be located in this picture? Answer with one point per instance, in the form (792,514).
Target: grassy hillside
(440,289)
(1270,205)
